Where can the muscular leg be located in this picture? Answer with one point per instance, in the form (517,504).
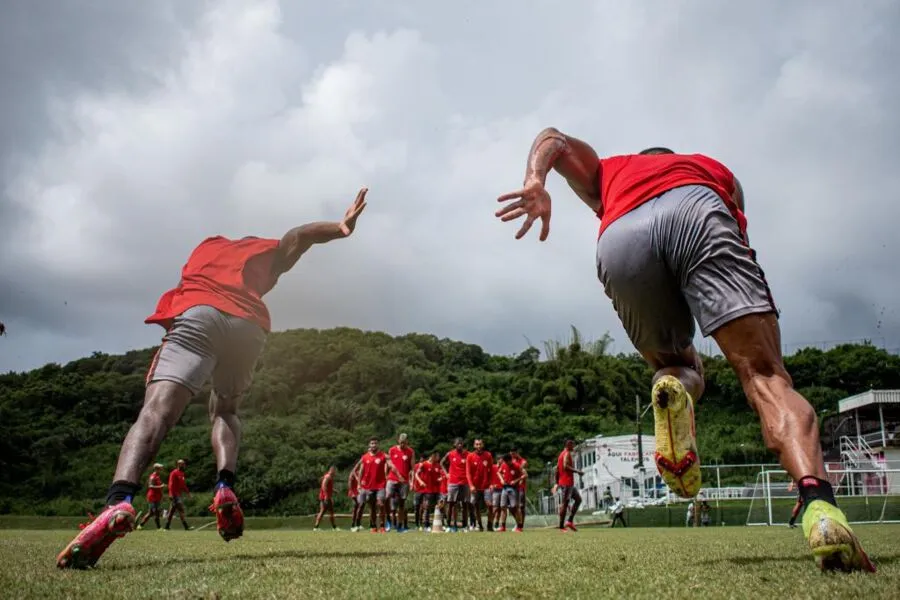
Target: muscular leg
(562,509)
(752,345)
(226,430)
(576,504)
(319,515)
(164,403)
(686,367)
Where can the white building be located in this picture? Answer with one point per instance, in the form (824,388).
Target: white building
(613,462)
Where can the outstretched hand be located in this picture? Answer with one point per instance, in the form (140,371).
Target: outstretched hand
(533,201)
(348,223)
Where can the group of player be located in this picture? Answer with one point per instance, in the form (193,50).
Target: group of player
(463,485)
(178,489)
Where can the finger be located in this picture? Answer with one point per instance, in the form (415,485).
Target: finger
(361,195)
(513,215)
(359,209)
(545,227)
(509,208)
(525,226)
(511,195)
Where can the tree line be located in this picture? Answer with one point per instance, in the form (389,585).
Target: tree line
(319,395)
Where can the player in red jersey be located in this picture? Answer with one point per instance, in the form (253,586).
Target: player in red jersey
(402,458)
(428,478)
(510,476)
(478,477)
(178,489)
(565,481)
(372,473)
(353,493)
(154,496)
(417,483)
(496,489)
(672,248)
(457,485)
(523,485)
(326,499)
(216,324)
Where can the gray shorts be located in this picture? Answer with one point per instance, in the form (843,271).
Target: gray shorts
(176,501)
(509,497)
(205,343)
(397,491)
(677,258)
(458,493)
(154,507)
(366,495)
(479,498)
(495,497)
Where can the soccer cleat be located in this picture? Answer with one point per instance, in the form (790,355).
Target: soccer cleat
(93,540)
(676,444)
(571,525)
(517,530)
(832,542)
(229,516)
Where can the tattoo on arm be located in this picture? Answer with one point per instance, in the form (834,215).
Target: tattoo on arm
(572,158)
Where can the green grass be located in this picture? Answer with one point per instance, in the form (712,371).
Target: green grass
(720,562)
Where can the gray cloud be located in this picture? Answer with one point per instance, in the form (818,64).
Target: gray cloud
(134,134)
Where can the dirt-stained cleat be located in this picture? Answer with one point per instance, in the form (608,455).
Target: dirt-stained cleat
(676,442)
(832,542)
(229,516)
(93,540)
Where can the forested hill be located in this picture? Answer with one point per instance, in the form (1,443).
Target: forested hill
(319,395)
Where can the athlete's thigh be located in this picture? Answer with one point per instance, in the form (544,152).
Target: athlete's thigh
(717,269)
(188,353)
(645,294)
(242,346)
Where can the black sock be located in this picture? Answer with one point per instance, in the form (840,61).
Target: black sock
(121,491)
(812,488)
(226,478)
(157,522)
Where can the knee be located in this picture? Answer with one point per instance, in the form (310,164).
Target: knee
(225,411)
(162,408)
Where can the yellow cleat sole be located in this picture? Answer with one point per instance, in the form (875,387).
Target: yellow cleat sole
(676,444)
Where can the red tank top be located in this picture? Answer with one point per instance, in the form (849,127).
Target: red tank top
(230,275)
(628,181)
(564,476)
(328,492)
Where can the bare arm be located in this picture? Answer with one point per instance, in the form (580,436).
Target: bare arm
(738,195)
(298,240)
(572,158)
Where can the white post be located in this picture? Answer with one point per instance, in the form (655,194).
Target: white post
(881,418)
(769,495)
(719,493)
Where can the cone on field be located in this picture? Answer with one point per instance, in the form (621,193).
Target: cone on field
(437,525)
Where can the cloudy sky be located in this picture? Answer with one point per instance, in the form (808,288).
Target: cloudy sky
(130,133)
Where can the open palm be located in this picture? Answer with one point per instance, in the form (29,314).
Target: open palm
(348,223)
(533,202)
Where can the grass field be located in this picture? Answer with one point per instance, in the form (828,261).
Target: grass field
(723,562)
